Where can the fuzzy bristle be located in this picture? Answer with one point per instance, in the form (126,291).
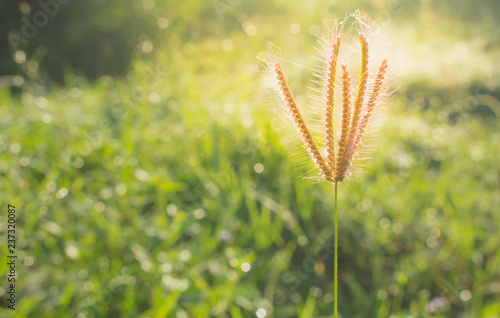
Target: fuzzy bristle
(363,78)
(350,143)
(299,123)
(379,80)
(330,98)
(341,165)
(347,106)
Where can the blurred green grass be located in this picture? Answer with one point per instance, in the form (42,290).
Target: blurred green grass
(145,196)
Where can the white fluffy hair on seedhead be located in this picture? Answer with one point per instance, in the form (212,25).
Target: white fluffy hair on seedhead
(348,103)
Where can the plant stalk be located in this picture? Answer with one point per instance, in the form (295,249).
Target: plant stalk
(335,260)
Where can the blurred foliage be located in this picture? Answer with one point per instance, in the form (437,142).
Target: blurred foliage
(93,37)
(166,192)
(96,38)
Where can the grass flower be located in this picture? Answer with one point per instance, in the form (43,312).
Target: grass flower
(349,104)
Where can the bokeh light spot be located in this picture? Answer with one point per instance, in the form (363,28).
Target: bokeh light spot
(261,313)
(227,45)
(385,223)
(246,267)
(259,168)
(465,295)
(294,28)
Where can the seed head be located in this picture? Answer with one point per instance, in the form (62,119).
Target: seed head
(347,126)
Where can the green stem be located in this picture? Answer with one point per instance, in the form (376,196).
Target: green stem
(336,264)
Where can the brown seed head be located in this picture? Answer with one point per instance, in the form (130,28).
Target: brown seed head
(332,68)
(346,114)
(300,124)
(356,111)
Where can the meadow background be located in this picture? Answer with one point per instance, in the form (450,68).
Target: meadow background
(139,148)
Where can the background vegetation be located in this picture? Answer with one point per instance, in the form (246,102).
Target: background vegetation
(138,148)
